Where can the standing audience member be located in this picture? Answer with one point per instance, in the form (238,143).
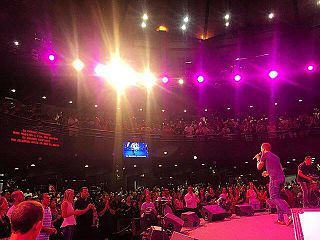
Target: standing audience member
(252,196)
(47,228)
(5,228)
(191,201)
(105,218)
(85,219)
(26,221)
(18,197)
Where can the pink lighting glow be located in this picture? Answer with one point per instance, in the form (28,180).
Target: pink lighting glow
(273,74)
(237,77)
(51,57)
(310,68)
(200,79)
(165,79)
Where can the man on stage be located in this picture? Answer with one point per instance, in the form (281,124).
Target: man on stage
(305,170)
(277,180)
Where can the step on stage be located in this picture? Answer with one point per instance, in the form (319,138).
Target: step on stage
(260,226)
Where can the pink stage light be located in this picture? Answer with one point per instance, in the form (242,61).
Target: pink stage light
(273,74)
(310,68)
(237,78)
(51,57)
(165,79)
(200,79)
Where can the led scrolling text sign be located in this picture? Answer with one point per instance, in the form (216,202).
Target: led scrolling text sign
(35,138)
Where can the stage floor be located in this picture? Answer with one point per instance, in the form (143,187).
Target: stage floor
(258,227)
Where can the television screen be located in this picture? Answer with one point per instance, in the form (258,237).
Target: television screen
(135,150)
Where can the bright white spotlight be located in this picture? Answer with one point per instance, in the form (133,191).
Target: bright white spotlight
(186,19)
(183,27)
(16,43)
(318,3)
(44,97)
(145,17)
(227,16)
(227,24)
(271,15)
(70,102)
(101,70)
(13,90)
(148,79)
(96,105)
(78,65)
(181,81)
(143,25)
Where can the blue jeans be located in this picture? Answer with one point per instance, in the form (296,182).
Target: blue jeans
(305,186)
(68,232)
(275,187)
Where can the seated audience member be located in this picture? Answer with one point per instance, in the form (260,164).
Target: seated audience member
(17,197)
(178,204)
(202,196)
(26,220)
(211,197)
(147,206)
(5,228)
(252,197)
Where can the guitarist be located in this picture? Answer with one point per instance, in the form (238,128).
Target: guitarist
(304,178)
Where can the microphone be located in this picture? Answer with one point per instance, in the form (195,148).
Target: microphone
(256,155)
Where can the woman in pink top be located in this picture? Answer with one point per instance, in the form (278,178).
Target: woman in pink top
(68,213)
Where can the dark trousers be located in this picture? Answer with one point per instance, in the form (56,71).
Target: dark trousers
(67,232)
(305,187)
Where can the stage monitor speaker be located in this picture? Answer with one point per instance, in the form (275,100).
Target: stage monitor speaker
(190,219)
(172,222)
(179,236)
(306,223)
(244,210)
(213,213)
(156,233)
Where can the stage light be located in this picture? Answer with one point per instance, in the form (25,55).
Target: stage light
(165,79)
(206,110)
(237,78)
(176,165)
(16,43)
(246,162)
(200,79)
(13,90)
(162,28)
(134,165)
(143,25)
(185,111)
(318,3)
(170,177)
(271,15)
(273,74)
(78,65)
(148,79)
(51,57)
(310,68)
(195,157)
(96,105)
(160,165)
(70,102)
(276,104)
(101,70)
(300,100)
(163,110)
(16,168)
(227,24)
(227,16)
(118,108)
(32,165)
(140,109)
(44,97)
(86,166)
(250,106)
(186,19)
(145,17)
(181,81)
(202,164)
(228,108)
(165,153)
(183,27)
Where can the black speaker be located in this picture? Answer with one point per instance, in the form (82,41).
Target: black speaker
(190,219)
(172,222)
(244,210)
(156,233)
(179,236)
(214,213)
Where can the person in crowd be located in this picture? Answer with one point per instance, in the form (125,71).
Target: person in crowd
(148,206)
(211,197)
(252,196)
(275,172)
(202,196)
(56,214)
(47,228)
(68,214)
(26,220)
(18,197)
(105,218)
(233,196)
(304,178)
(5,227)
(85,219)
(178,204)
(192,200)
(7,195)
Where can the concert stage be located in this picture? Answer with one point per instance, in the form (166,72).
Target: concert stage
(260,226)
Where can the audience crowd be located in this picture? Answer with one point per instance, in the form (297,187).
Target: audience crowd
(110,215)
(284,126)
